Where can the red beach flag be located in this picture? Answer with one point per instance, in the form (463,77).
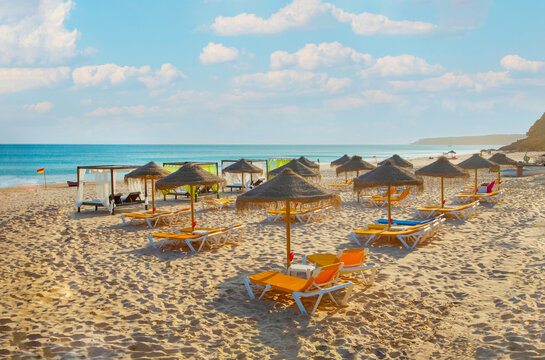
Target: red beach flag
(40,171)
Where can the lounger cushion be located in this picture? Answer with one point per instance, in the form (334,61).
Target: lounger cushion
(279,281)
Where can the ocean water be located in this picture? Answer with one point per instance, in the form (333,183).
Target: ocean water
(18,163)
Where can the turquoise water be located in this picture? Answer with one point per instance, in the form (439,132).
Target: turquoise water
(18,163)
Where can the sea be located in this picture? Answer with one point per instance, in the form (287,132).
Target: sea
(19,162)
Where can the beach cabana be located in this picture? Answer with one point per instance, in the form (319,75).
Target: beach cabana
(105,187)
(303,160)
(192,175)
(340,160)
(476,162)
(150,171)
(298,168)
(284,189)
(241,167)
(398,161)
(444,169)
(388,175)
(501,159)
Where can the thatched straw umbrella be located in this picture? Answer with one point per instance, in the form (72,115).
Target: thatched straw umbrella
(243,166)
(357,164)
(398,161)
(444,169)
(285,188)
(192,175)
(387,174)
(477,162)
(303,160)
(150,171)
(298,168)
(340,160)
(501,159)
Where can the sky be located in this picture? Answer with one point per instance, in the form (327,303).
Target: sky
(268,72)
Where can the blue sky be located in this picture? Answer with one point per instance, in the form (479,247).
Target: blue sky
(268,72)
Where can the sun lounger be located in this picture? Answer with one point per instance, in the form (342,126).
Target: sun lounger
(403,222)
(461,212)
(152,218)
(303,216)
(490,198)
(409,236)
(352,260)
(218,204)
(203,237)
(322,281)
(341,187)
(380,201)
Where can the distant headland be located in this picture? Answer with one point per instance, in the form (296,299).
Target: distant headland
(499,139)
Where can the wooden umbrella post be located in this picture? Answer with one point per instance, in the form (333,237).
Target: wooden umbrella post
(152,196)
(145,192)
(476,188)
(192,208)
(499,175)
(389,207)
(288,230)
(357,175)
(242,187)
(442,192)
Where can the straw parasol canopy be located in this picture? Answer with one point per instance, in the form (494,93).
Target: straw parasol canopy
(340,160)
(298,168)
(398,161)
(243,166)
(387,174)
(190,174)
(477,162)
(444,169)
(285,188)
(303,160)
(501,159)
(356,163)
(150,171)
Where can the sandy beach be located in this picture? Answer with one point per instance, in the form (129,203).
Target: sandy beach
(82,285)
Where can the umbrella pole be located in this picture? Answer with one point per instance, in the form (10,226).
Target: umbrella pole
(476,188)
(442,192)
(145,192)
(345,177)
(192,208)
(152,196)
(288,230)
(499,176)
(389,207)
(242,187)
(357,175)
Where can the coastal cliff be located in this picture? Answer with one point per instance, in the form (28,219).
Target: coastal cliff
(471,140)
(534,141)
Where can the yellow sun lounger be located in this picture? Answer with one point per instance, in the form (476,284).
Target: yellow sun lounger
(303,216)
(352,259)
(322,281)
(152,218)
(218,204)
(209,237)
(490,198)
(461,212)
(380,201)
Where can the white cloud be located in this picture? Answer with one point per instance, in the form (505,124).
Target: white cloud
(282,80)
(33,31)
(217,53)
(93,75)
(85,101)
(378,96)
(296,14)
(162,77)
(19,79)
(451,81)
(400,65)
(518,63)
(137,110)
(39,107)
(345,103)
(313,56)
(333,85)
(373,24)
(368,97)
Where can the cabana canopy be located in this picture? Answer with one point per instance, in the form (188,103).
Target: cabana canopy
(398,161)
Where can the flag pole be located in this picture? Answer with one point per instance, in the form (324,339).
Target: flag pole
(45,182)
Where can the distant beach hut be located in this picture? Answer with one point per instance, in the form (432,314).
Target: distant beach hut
(340,160)
(284,189)
(477,162)
(303,160)
(150,171)
(192,175)
(242,166)
(298,168)
(502,159)
(397,161)
(388,174)
(444,169)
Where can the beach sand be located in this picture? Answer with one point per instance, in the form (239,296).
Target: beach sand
(83,285)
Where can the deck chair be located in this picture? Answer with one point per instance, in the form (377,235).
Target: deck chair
(380,201)
(233,233)
(461,212)
(153,218)
(217,204)
(305,216)
(275,215)
(490,198)
(322,281)
(352,259)
(203,237)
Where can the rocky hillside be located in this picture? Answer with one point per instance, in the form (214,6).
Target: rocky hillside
(535,140)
